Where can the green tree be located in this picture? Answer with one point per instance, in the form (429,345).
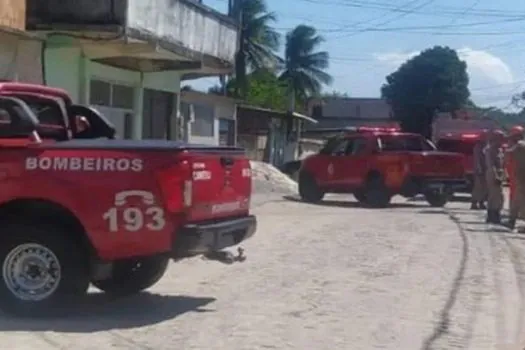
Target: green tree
(258,40)
(435,80)
(304,66)
(264,89)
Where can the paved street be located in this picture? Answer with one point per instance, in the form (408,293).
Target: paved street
(331,276)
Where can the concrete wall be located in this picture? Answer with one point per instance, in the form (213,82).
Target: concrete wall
(223,108)
(13,14)
(20,58)
(192,25)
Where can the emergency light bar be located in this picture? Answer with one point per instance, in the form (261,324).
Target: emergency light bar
(377,129)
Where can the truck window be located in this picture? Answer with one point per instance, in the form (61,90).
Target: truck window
(458,146)
(397,143)
(342,147)
(330,145)
(356,146)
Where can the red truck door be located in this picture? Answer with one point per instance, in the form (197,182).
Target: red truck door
(352,167)
(325,162)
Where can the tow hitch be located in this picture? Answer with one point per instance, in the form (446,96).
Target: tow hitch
(225,256)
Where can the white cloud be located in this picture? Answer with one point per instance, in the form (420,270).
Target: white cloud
(482,66)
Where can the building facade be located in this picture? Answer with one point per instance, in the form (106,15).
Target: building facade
(20,52)
(209,119)
(127,58)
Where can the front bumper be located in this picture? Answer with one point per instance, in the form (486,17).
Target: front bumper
(202,238)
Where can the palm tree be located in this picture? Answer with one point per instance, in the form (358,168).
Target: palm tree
(258,40)
(304,67)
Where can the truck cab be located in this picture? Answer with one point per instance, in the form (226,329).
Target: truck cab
(80,207)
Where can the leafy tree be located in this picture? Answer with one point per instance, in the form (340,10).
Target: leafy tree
(435,80)
(258,40)
(264,90)
(304,66)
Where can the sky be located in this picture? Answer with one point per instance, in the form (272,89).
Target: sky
(369,39)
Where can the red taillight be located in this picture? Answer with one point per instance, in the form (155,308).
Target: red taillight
(175,183)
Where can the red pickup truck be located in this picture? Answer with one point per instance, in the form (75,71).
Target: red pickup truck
(80,207)
(463,143)
(375,164)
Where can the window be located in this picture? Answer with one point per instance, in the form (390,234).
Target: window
(358,146)
(5,117)
(122,96)
(343,147)
(358,111)
(204,120)
(330,145)
(111,95)
(100,93)
(404,143)
(459,146)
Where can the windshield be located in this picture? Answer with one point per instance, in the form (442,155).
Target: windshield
(49,112)
(395,143)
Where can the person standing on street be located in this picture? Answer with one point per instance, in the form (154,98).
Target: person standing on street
(494,176)
(515,172)
(479,186)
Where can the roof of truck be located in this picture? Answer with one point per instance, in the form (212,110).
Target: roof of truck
(16,87)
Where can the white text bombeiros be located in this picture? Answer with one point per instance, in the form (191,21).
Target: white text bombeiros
(84,164)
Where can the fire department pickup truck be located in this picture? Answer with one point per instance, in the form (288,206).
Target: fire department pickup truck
(377,163)
(462,143)
(78,206)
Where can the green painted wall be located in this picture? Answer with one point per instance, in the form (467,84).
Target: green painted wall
(67,68)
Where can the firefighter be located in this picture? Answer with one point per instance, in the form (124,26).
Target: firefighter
(514,174)
(479,186)
(494,176)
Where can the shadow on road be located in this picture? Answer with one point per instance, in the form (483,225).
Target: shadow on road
(99,313)
(348,204)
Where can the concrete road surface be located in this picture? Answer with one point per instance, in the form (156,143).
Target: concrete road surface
(331,276)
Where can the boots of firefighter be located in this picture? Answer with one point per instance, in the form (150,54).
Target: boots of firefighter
(497,217)
(490,216)
(474,206)
(511,223)
(493,217)
(482,206)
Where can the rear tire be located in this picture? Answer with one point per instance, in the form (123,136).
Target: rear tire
(308,189)
(376,193)
(43,270)
(436,199)
(132,276)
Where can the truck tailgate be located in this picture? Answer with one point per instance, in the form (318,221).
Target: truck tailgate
(438,164)
(221,185)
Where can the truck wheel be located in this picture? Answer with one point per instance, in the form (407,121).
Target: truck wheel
(437,199)
(43,271)
(134,275)
(308,189)
(376,193)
